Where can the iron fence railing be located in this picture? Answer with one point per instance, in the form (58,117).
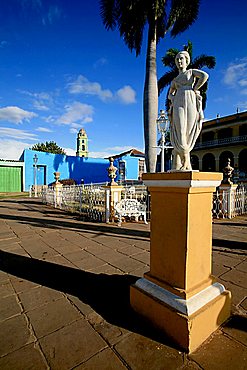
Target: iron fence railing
(230,203)
(92,201)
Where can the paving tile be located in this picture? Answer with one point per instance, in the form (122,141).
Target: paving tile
(142,257)
(98,249)
(21,285)
(3,277)
(71,345)
(6,289)
(74,238)
(221,352)
(127,264)
(244,303)
(105,269)
(9,307)
(140,271)
(111,333)
(89,263)
(38,297)
(84,308)
(236,277)
(105,360)
(242,266)
(218,270)
(111,242)
(8,245)
(238,293)
(60,260)
(236,327)
(28,357)
(138,352)
(52,316)
(226,260)
(14,334)
(65,247)
(77,255)
(37,249)
(130,250)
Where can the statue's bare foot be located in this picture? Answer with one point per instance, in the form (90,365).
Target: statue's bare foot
(186,167)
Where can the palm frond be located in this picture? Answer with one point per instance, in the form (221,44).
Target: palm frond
(168,59)
(182,15)
(204,60)
(131,23)
(109,14)
(166,79)
(189,48)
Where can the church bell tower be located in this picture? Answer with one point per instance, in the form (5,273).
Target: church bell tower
(82,144)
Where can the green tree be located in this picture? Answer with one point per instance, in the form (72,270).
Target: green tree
(197,63)
(160,16)
(48,146)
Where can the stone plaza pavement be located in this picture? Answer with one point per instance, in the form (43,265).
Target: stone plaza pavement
(64,294)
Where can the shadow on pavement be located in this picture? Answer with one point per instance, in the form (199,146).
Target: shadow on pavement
(74,225)
(108,295)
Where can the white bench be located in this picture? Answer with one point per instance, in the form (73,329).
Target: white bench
(130,208)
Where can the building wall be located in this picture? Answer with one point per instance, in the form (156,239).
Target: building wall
(222,138)
(70,167)
(131,167)
(12,176)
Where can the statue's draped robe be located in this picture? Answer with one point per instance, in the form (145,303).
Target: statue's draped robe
(186,114)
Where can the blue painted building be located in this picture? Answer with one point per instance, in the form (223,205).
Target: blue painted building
(70,167)
(130,167)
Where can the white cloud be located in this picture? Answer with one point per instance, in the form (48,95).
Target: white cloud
(120,149)
(70,151)
(73,130)
(54,13)
(43,129)
(100,62)
(16,134)
(3,43)
(235,75)
(76,114)
(83,86)
(107,152)
(242,105)
(42,101)
(12,149)
(15,114)
(126,95)
(103,154)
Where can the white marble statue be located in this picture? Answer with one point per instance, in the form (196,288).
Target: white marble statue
(185,113)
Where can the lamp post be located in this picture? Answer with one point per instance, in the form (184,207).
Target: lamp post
(35,160)
(163,127)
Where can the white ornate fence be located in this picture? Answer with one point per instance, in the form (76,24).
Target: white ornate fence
(92,201)
(230,203)
(87,200)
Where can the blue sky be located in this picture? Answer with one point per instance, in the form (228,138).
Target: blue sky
(60,70)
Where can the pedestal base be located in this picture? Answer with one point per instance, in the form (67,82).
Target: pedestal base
(187,322)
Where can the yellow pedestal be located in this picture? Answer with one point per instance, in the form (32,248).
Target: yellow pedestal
(179,294)
(112,196)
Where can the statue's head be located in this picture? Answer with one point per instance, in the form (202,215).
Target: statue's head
(182,54)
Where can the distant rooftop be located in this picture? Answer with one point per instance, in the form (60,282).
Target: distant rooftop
(132,152)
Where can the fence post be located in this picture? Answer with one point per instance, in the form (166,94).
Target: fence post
(57,190)
(112,196)
(230,191)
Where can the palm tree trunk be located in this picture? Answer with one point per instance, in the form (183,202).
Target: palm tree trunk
(150,103)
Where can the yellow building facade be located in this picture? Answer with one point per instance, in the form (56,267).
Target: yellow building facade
(220,139)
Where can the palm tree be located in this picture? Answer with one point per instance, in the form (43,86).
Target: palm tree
(199,62)
(160,16)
